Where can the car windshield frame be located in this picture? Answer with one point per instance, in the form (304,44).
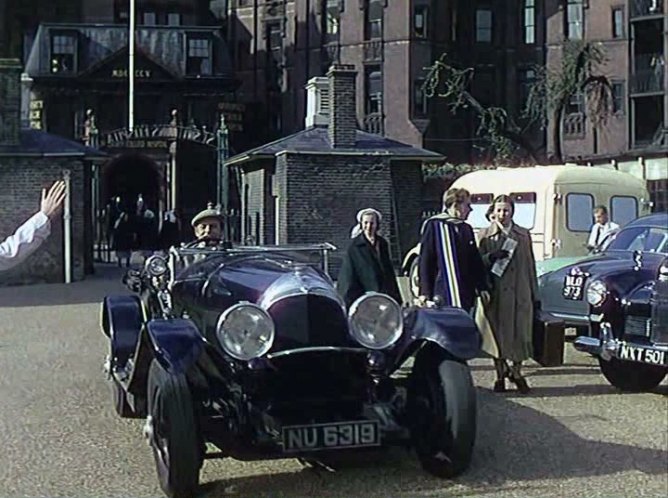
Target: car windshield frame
(636,233)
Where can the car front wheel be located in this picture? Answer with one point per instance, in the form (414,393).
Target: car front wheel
(442,403)
(630,376)
(172,432)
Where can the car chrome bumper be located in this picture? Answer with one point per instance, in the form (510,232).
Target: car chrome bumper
(606,347)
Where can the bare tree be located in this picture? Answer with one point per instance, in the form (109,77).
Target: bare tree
(494,124)
(553,88)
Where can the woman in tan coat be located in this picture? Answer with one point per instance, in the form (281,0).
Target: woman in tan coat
(507,252)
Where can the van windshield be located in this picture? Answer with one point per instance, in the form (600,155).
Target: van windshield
(525,209)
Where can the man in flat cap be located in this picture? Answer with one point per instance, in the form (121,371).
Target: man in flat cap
(208,226)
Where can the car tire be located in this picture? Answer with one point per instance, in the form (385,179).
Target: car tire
(120,398)
(414,276)
(174,437)
(631,377)
(442,411)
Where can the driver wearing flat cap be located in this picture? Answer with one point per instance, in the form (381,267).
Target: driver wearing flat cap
(208,226)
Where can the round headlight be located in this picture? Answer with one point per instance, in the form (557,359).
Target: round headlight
(156,266)
(245,331)
(376,321)
(596,293)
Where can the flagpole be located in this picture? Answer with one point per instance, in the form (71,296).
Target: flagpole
(131,68)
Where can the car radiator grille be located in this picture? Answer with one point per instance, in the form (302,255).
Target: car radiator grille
(637,325)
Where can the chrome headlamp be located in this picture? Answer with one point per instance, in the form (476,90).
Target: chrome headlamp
(245,331)
(156,266)
(597,291)
(375,320)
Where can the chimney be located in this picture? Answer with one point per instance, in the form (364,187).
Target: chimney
(317,102)
(10,101)
(342,109)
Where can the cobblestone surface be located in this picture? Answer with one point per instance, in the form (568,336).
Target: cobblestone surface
(572,436)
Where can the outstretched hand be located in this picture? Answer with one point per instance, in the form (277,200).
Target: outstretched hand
(53,200)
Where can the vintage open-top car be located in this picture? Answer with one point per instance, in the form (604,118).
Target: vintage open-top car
(252,350)
(621,294)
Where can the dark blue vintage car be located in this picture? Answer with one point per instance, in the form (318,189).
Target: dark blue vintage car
(622,296)
(253,351)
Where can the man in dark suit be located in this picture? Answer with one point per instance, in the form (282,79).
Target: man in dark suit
(450,264)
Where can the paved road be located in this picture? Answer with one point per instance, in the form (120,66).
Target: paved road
(572,436)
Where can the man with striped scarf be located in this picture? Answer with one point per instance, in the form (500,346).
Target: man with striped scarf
(450,264)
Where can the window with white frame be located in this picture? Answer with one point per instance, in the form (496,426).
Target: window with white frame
(332,20)
(198,60)
(173,19)
(483,25)
(529,21)
(63,52)
(618,22)
(149,18)
(575,19)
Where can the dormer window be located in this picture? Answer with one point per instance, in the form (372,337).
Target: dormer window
(149,19)
(63,53)
(199,60)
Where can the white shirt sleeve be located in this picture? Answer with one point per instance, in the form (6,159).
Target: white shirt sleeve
(27,238)
(592,235)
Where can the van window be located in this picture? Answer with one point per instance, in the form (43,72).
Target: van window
(579,212)
(525,209)
(479,205)
(623,209)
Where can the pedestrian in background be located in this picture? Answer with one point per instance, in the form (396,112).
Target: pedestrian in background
(170,231)
(123,239)
(450,264)
(29,236)
(366,264)
(507,250)
(601,229)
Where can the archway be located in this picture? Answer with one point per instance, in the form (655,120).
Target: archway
(130,175)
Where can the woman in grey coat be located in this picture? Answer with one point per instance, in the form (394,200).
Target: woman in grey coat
(506,250)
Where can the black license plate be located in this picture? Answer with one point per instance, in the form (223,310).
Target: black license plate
(641,354)
(339,435)
(574,287)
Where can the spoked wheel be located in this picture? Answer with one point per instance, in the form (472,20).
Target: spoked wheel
(631,376)
(414,277)
(172,433)
(442,401)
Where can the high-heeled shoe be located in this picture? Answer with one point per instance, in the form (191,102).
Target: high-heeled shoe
(520,382)
(500,386)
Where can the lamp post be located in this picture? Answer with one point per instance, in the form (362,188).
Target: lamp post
(223,180)
(131,68)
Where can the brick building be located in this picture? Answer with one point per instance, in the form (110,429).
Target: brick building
(634,35)
(29,161)
(279,45)
(308,187)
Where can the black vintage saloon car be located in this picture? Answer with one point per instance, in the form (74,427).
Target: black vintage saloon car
(251,350)
(625,291)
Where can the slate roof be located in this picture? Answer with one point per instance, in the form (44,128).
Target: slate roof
(98,42)
(316,140)
(41,143)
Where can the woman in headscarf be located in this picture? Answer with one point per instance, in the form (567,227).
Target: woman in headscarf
(366,264)
(514,295)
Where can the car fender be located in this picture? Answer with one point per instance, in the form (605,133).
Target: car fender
(177,344)
(121,319)
(453,329)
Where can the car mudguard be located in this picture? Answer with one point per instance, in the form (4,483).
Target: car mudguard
(122,317)
(453,329)
(177,344)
